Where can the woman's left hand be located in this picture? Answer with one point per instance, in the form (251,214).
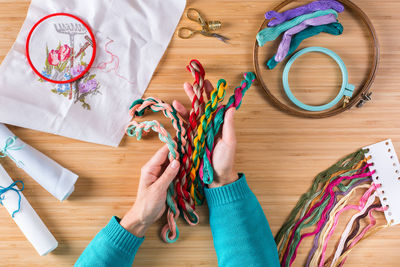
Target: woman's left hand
(156,175)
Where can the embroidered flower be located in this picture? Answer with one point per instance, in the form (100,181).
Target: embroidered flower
(53,58)
(62,88)
(77,70)
(88,86)
(64,53)
(46,74)
(56,66)
(67,76)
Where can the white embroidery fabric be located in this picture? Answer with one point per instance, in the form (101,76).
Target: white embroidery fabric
(131,36)
(57,180)
(26,218)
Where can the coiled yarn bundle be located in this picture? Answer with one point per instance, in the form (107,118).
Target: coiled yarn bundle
(192,144)
(298,24)
(319,210)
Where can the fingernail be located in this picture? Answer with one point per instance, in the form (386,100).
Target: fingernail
(175,164)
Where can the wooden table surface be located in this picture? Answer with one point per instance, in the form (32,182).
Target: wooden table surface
(280,154)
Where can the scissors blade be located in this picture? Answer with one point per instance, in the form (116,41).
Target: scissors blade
(216,35)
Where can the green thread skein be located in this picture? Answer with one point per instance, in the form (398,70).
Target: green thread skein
(345,163)
(341,187)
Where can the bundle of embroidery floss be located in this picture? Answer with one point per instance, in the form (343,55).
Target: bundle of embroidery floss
(299,24)
(371,170)
(192,145)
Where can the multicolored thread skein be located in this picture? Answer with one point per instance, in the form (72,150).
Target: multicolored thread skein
(320,208)
(138,109)
(217,95)
(189,145)
(235,101)
(170,232)
(196,113)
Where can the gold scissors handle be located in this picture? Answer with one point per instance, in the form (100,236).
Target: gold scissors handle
(186,33)
(195,15)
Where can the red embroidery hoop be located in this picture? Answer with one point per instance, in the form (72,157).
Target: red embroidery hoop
(91,60)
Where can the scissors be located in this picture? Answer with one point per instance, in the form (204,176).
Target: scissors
(207,26)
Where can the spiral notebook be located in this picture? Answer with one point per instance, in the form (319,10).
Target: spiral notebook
(387,173)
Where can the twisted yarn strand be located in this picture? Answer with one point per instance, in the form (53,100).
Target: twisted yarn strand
(138,109)
(196,113)
(235,101)
(217,95)
(185,202)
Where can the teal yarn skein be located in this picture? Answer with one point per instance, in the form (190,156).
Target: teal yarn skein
(333,28)
(270,34)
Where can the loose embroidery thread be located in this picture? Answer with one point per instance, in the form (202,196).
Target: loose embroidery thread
(11,187)
(103,66)
(320,209)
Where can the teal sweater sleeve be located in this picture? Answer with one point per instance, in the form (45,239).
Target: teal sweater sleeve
(112,246)
(242,236)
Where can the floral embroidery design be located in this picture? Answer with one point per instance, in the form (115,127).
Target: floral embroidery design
(58,67)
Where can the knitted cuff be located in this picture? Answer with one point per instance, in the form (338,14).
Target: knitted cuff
(121,238)
(228,193)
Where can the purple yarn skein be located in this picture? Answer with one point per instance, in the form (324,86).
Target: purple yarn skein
(278,18)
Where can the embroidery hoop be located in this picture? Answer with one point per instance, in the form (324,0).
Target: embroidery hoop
(346,89)
(29,57)
(363,89)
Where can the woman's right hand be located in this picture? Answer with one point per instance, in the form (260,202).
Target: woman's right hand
(223,158)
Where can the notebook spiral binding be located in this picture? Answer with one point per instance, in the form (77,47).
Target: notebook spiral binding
(386,164)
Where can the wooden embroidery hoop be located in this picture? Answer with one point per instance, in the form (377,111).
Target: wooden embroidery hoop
(359,93)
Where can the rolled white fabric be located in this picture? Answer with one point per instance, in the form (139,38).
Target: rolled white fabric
(27,219)
(57,180)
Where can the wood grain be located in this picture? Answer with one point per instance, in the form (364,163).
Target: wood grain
(280,154)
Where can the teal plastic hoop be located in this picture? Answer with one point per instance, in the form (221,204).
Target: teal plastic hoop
(346,90)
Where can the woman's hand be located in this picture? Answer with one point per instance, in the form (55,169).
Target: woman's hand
(223,158)
(156,175)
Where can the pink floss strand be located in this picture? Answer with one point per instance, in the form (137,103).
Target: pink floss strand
(114,59)
(361,205)
(365,230)
(319,225)
(362,209)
